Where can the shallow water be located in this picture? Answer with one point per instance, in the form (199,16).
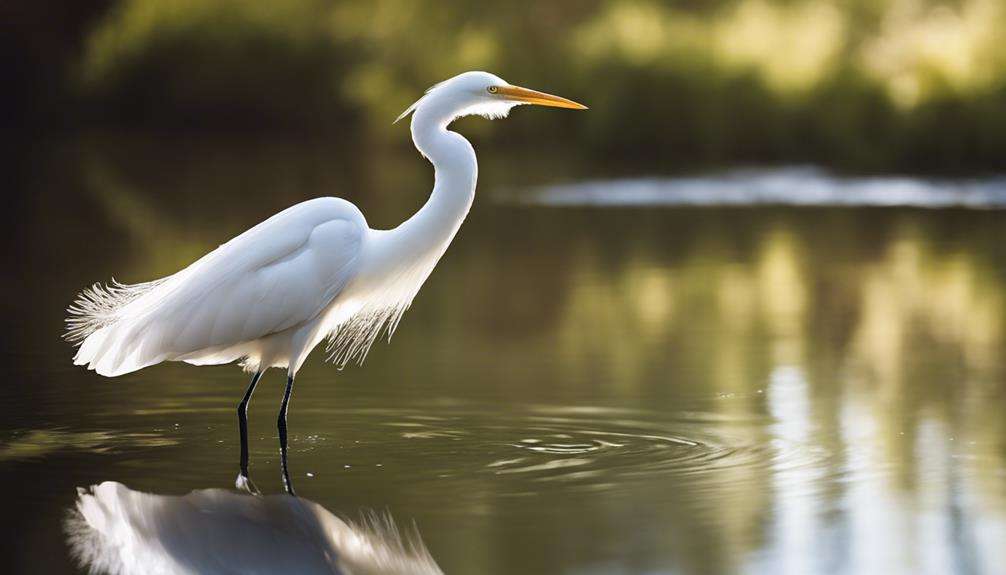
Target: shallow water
(576,389)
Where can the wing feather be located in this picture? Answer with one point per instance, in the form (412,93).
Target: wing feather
(280,273)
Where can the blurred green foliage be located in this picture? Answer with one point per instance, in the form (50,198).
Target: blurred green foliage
(866,85)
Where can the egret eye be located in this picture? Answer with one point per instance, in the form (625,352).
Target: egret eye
(492,89)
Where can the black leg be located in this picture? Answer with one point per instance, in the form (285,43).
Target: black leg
(243,424)
(281,424)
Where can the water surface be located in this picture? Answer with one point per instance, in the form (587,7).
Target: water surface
(577,389)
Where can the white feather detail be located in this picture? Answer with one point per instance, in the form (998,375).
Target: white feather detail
(102,305)
(415,104)
(379,311)
(491,110)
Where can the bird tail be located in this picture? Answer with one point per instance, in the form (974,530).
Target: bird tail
(102,305)
(100,321)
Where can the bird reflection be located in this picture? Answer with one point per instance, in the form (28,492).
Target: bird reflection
(113,529)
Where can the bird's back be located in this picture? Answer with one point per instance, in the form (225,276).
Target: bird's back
(278,274)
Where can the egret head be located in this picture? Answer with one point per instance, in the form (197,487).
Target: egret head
(483,94)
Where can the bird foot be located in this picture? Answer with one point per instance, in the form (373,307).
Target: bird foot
(244,483)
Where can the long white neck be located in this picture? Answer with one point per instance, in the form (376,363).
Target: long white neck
(414,247)
(455,174)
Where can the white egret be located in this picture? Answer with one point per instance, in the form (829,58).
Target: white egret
(311,272)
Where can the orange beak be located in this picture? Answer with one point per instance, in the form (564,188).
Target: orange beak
(516,93)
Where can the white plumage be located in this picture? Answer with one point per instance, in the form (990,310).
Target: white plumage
(312,271)
(246,299)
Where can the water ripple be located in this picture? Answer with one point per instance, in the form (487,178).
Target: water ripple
(589,447)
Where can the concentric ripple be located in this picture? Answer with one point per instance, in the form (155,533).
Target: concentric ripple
(586,447)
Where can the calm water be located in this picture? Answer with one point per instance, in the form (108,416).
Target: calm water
(576,390)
